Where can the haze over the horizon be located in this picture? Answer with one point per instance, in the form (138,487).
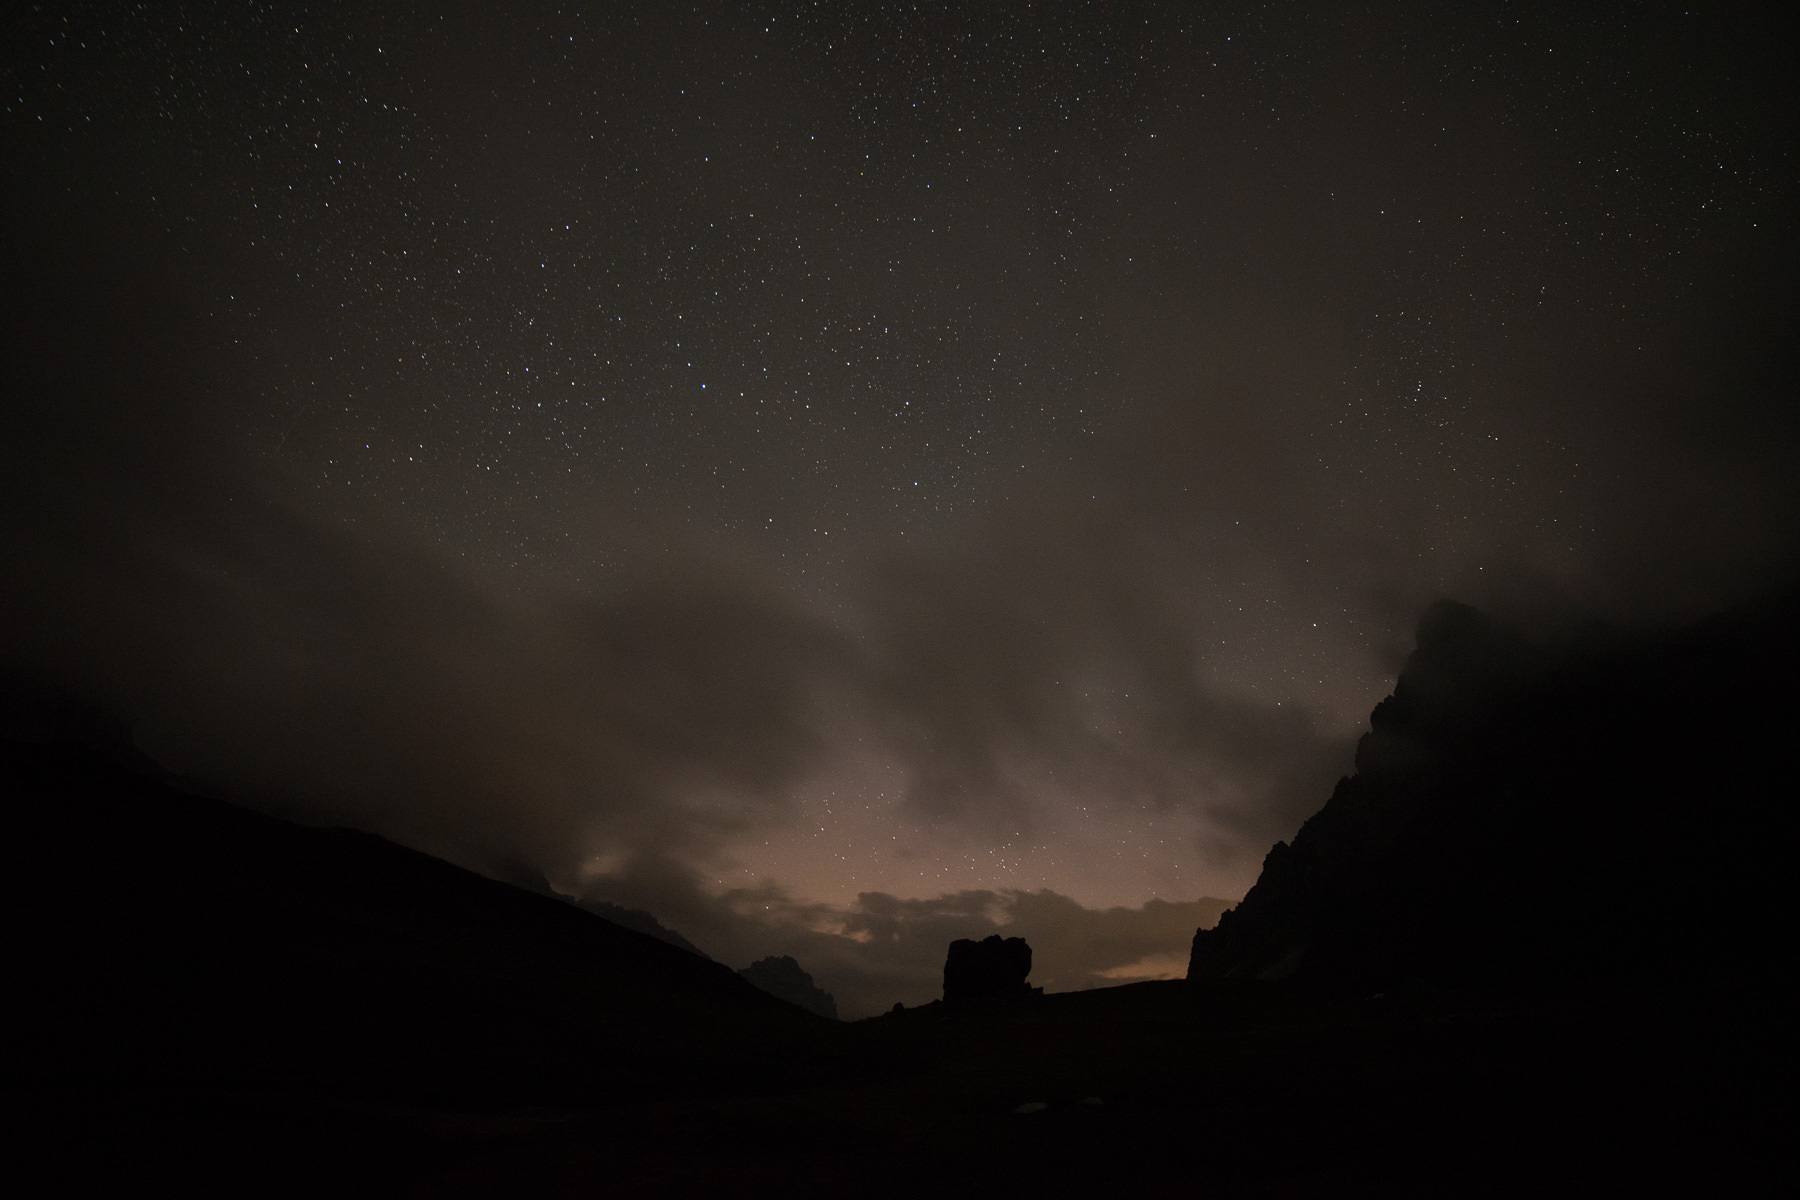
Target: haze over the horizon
(845,477)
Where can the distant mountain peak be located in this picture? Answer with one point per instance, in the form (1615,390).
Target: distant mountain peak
(781,976)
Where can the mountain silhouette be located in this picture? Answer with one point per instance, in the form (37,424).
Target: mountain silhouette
(1604,807)
(165,936)
(780,975)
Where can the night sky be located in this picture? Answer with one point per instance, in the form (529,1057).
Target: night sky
(843,477)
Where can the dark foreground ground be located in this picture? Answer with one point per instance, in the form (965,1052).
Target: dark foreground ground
(1145,1090)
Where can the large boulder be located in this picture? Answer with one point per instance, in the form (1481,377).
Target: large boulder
(991,969)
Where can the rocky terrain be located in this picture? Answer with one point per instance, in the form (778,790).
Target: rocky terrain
(1602,808)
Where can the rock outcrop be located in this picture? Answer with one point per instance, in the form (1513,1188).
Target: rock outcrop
(993,969)
(1609,806)
(783,977)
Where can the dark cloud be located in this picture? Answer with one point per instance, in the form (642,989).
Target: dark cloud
(347,673)
(620,742)
(343,669)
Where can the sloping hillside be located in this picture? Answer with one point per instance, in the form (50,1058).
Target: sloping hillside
(170,937)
